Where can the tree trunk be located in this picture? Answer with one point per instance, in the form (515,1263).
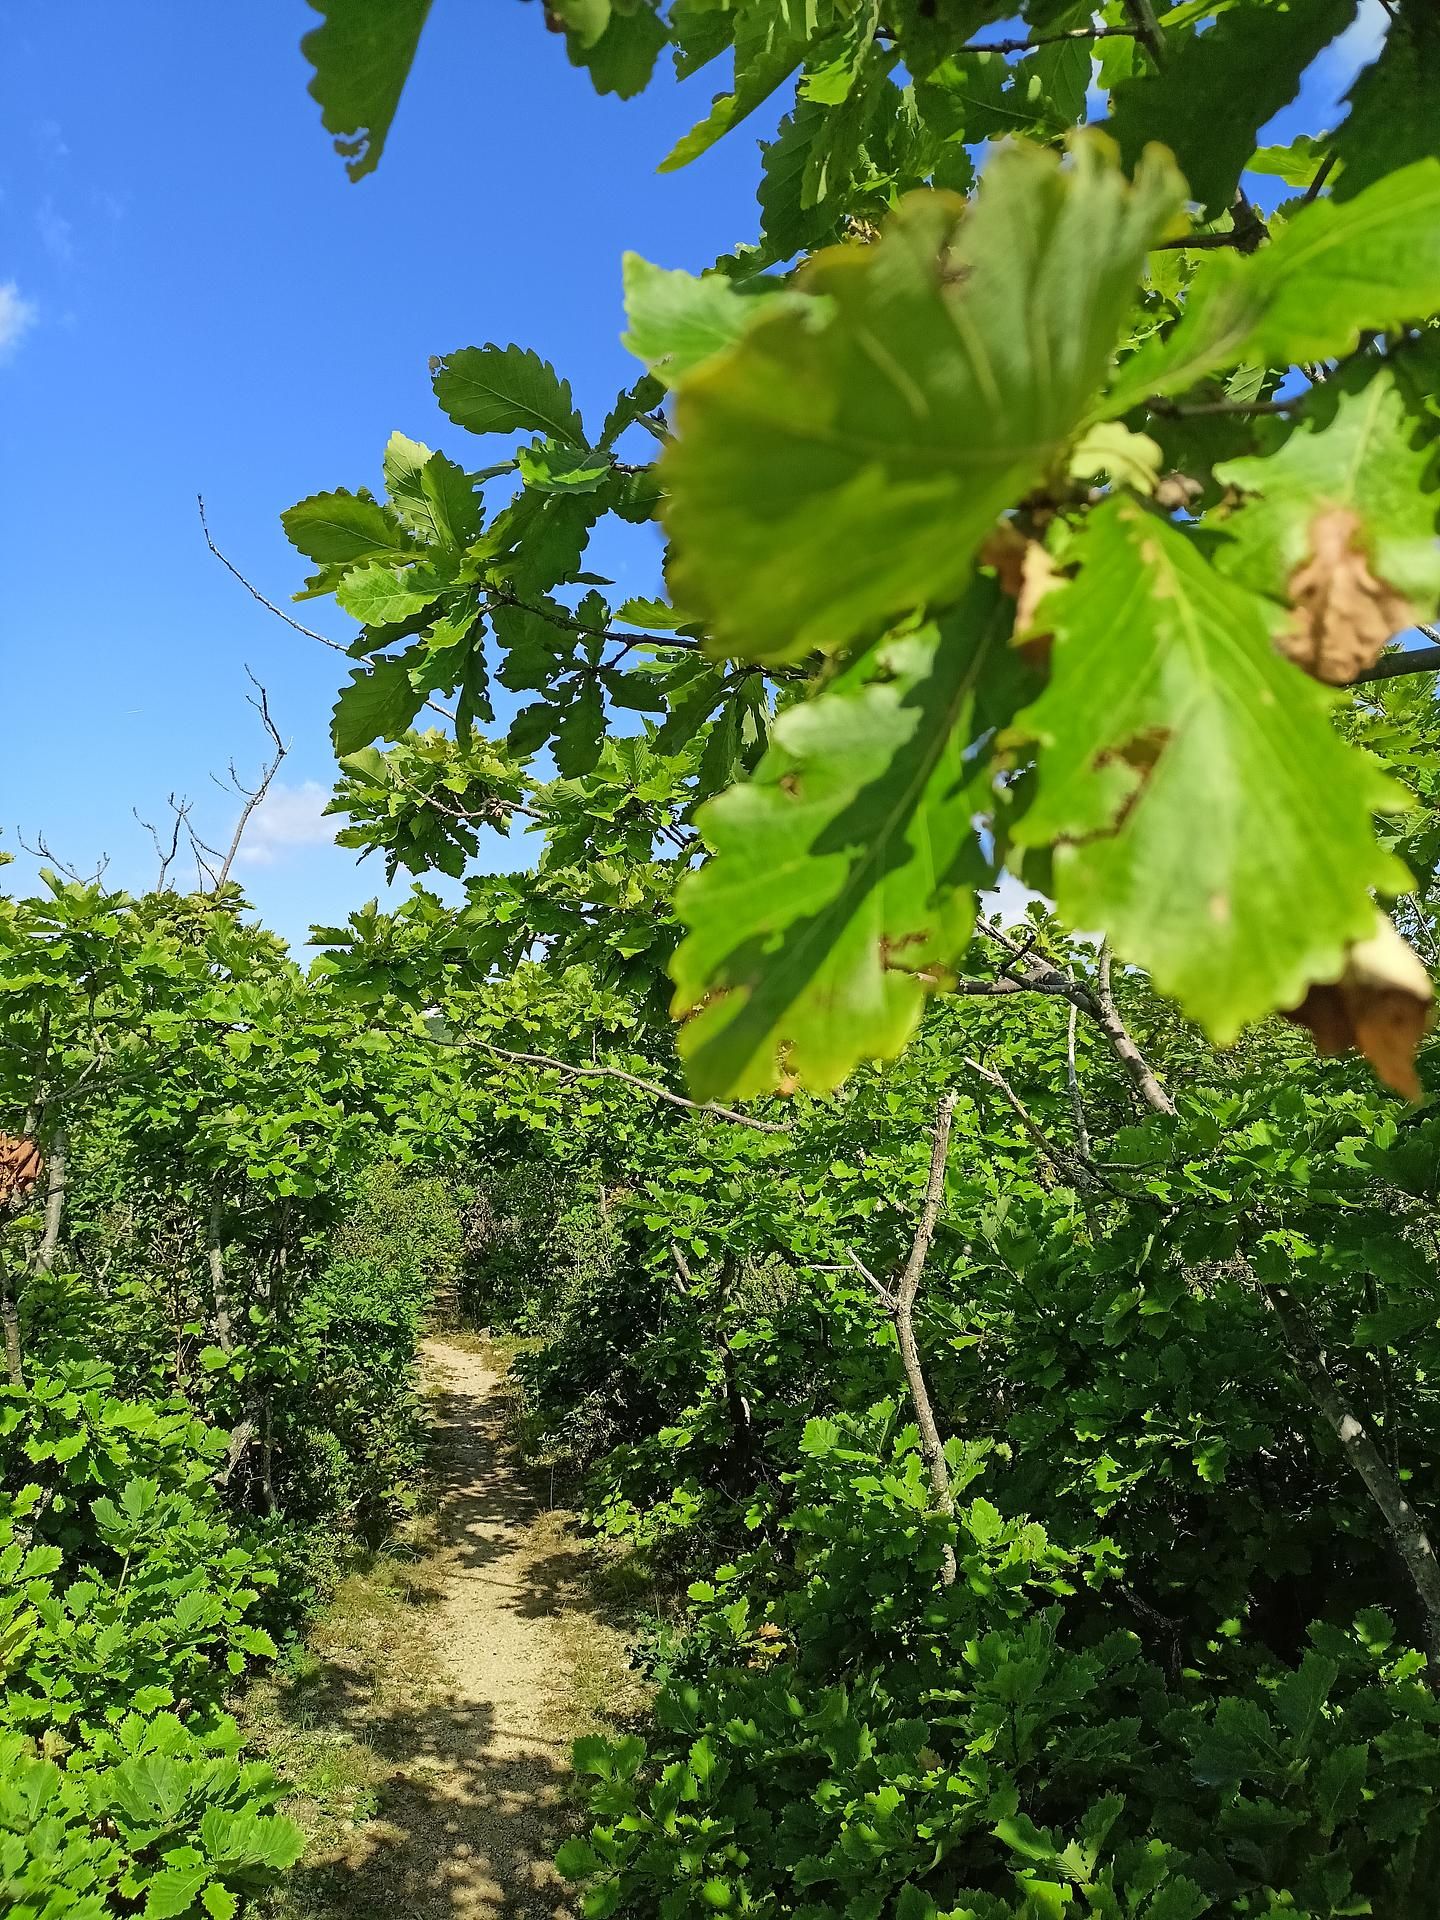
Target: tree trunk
(932,1447)
(1107,1018)
(54,1203)
(10,1315)
(219,1289)
(1401,1522)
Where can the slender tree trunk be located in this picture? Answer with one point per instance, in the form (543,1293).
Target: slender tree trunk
(10,1315)
(1401,1522)
(742,1433)
(1107,1018)
(54,1202)
(932,1447)
(219,1288)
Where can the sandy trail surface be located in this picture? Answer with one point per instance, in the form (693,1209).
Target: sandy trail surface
(474,1801)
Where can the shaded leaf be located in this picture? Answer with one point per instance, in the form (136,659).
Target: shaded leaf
(378,704)
(362,56)
(1220,86)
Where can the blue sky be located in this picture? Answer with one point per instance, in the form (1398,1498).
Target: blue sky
(194,299)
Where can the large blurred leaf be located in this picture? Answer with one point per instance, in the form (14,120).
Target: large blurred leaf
(361,56)
(1394,115)
(678,319)
(1220,86)
(833,471)
(840,890)
(1206,815)
(1335,271)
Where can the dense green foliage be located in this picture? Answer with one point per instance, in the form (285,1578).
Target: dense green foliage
(1037,1407)
(211,1392)
(1052,1498)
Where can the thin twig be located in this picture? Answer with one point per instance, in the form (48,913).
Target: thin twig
(1077,1104)
(335,646)
(1147,29)
(886,1297)
(1392,666)
(630,1079)
(1196,409)
(252,797)
(1327,167)
(1049,40)
(932,1447)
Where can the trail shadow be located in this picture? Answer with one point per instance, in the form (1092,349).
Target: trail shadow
(471,1791)
(490,1491)
(465,1830)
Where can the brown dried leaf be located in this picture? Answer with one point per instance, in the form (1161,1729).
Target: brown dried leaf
(1027,573)
(1380,1006)
(20,1167)
(1343,618)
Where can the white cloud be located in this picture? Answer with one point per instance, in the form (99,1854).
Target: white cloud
(288,817)
(17,316)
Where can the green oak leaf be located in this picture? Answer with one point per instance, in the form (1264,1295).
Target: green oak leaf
(432,495)
(1204,813)
(362,56)
(622,58)
(340,527)
(840,888)
(1359,445)
(378,596)
(1297,164)
(554,466)
(770,43)
(1335,271)
(1220,86)
(584,20)
(1394,115)
(678,319)
(378,704)
(833,471)
(494,389)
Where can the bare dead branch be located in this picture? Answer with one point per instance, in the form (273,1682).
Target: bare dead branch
(42,850)
(252,796)
(310,633)
(179,812)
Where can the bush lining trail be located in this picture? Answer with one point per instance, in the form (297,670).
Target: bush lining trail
(454,1695)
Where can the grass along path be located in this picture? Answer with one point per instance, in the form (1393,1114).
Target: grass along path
(429,1724)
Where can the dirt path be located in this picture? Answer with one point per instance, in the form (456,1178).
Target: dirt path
(460,1697)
